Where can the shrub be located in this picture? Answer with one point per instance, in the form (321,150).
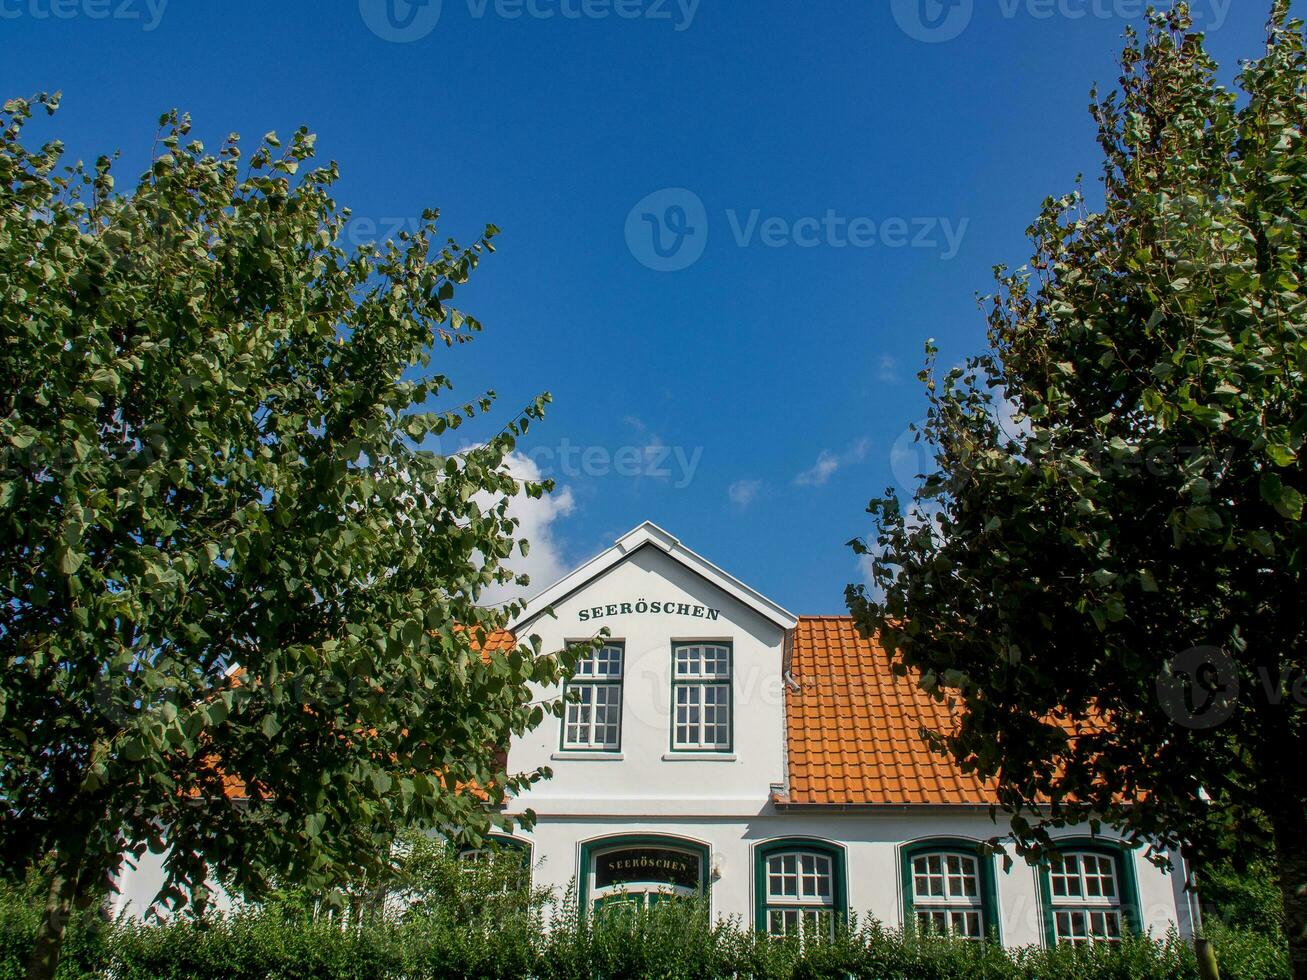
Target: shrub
(484,921)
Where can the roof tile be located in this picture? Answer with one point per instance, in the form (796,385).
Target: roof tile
(854,728)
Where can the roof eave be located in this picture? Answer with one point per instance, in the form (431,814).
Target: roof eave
(882,807)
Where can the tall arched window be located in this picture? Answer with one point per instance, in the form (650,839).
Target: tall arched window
(949,888)
(1089,892)
(641,870)
(800,887)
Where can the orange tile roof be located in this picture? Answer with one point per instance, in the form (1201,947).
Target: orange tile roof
(500,641)
(853,727)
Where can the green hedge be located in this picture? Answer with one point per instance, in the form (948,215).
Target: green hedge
(439,917)
(665,943)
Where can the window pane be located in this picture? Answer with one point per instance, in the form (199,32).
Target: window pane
(703,661)
(783,879)
(1105,926)
(1088,884)
(962,876)
(605,663)
(947,878)
(595,719)
(1070,927)
(932,921)
(802,876)
(965,925)
(703,716)
(928,876)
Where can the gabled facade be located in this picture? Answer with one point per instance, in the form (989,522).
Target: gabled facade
(720,746)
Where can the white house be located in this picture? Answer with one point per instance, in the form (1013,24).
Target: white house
(721,746)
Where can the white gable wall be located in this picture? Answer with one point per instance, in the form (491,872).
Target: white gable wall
(646,777)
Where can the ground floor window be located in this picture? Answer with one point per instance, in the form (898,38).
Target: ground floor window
(800,887)
(494,847)
(949,888)
(1089,893)
(637,872)
(507,857)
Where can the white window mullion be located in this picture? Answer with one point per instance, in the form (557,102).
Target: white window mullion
(946,895)
(1086,896)
(701,678)
(593,720)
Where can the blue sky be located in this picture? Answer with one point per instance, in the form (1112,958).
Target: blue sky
(830,183)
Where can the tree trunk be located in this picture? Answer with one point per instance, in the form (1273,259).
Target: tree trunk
(1290,823)
(1207,965)
(44,960)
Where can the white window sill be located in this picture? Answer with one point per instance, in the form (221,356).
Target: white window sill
(699,757)
(587,757)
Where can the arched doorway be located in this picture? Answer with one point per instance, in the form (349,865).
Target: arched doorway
(639,871)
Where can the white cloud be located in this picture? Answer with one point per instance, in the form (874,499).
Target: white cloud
(887,369)
(744,492)
(825,467)
(829,463)
(545,561)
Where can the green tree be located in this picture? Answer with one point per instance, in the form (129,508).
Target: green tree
(1104,568)
(212,421)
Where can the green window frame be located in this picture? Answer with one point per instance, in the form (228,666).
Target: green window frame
(590,848)
(498,843)
(799,883)
(594,698)
(949,885)
(498,847)
(703,696)
(1089,892)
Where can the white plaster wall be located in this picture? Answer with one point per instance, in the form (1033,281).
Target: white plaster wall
(139,882)
(645,777)
(873,845)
